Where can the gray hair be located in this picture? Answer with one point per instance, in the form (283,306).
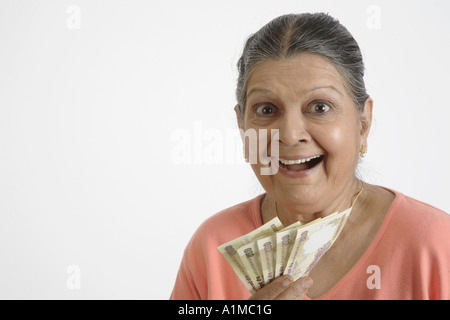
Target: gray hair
(292,34)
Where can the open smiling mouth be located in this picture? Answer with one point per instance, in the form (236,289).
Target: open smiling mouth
(301,164)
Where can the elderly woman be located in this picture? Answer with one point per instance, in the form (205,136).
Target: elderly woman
(303,75)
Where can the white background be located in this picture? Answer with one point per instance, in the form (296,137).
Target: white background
(92,106)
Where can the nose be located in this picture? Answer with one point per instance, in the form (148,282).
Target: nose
(293,129)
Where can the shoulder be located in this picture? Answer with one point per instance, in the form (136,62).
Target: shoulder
(419,222)
(202,264)
(203,272)
(420,242)
(230,223)
(416,211)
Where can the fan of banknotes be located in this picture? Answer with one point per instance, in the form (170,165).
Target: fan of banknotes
(273,250)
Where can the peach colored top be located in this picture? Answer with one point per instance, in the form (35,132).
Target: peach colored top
(409,257)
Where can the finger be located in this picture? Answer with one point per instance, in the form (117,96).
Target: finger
(297,290)
(273,289)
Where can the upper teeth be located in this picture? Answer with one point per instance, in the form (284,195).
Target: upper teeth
(288,162)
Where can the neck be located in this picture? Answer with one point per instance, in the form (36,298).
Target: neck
(343,201)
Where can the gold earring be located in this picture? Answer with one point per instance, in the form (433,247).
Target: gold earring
(363,151)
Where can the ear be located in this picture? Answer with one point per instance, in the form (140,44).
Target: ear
(240,121)
(366,120)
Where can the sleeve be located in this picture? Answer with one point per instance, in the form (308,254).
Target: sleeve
(204,274)
(439,281)
(434,256)
(185,287)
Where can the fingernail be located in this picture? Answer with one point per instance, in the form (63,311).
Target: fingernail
(288,281)
(307,283)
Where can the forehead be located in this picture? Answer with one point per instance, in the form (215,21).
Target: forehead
(295,75)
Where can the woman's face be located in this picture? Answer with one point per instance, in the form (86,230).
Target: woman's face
(306,100)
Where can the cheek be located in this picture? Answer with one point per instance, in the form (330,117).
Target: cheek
(340,144)
(260,143)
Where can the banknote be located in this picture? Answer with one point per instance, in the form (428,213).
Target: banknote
(274,250)
(267,253)
(251,259)
(266,250)
(230,251)
(294,225)
(303,236)
(309,246)
(285,241)
(266,229)
(312,242)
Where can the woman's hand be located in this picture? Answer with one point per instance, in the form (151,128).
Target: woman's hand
(284,288)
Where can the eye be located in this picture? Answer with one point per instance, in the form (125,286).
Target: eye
(265,109)
(319,107)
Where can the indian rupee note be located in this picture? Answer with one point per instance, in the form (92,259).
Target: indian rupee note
(299,256)
(294,225)
(268,228)
(267,248)
(250,257)
(285,240)
(311,246)
(232,256)
(230,250)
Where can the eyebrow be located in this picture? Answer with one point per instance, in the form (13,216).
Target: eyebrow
(256,89)
(324,87)
(267,91)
